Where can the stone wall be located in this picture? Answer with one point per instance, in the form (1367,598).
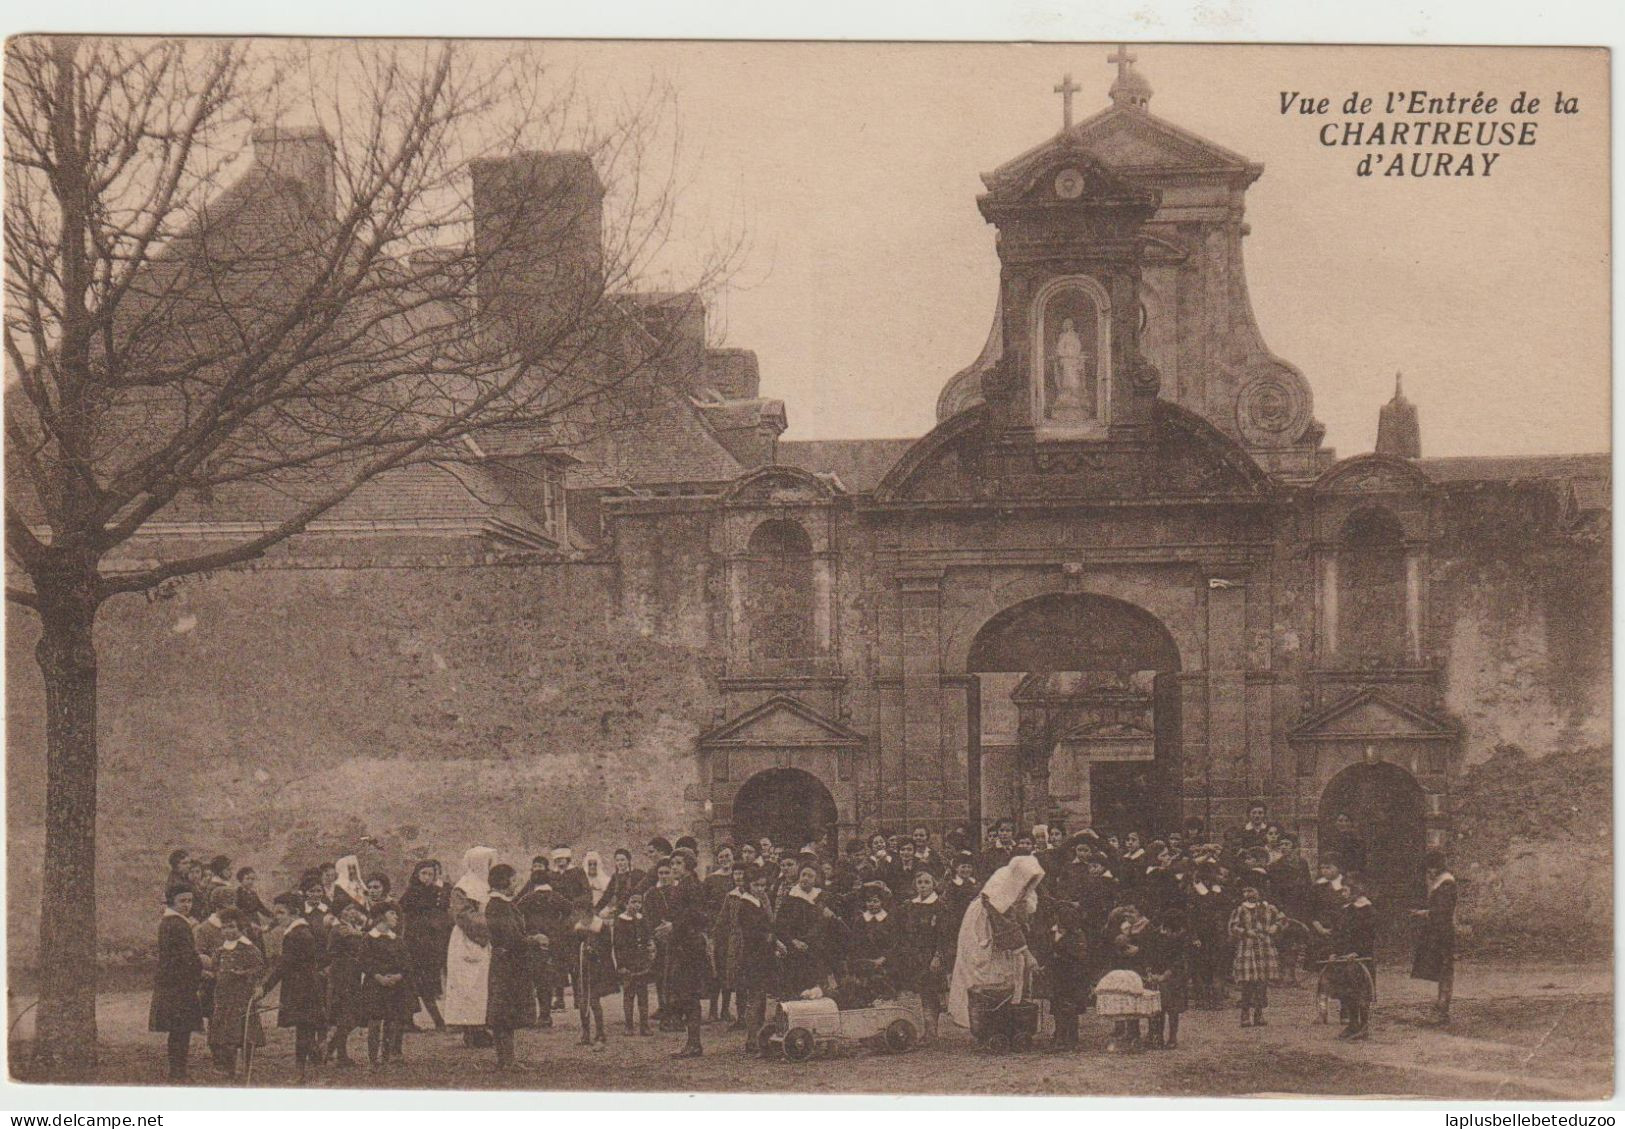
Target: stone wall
(279,715)
(1522,610)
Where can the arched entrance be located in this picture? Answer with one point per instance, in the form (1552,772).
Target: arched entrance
(1387,816)
(1077,715)
(791,807)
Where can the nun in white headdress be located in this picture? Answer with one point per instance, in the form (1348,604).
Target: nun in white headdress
(468,953)
(992,950)
(592,864)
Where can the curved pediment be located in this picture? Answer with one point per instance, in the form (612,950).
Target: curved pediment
(1179,456)
(1372,474)
(778,485)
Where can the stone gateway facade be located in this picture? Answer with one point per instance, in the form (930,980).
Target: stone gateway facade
(1122,583)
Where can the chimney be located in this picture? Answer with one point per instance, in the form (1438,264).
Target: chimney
(675,320)
(1399,432)
(733,374)
(303,154)
(538,242)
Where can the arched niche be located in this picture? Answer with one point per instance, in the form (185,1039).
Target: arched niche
(1071,356)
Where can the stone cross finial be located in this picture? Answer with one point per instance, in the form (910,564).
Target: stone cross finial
(1123,60)
(1066,89)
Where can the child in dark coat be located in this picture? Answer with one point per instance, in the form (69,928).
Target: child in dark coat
(176,1008)
(388,1000)
(345,942)
(632,951)
(303,1004)
(238,969)
(1060,940)
(595,973)
(926,938)
(1168,968)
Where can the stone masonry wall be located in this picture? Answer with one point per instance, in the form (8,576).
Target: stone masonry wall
(279,715)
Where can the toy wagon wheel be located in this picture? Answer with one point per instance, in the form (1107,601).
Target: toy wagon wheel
(999,1042)
(799,1045)
(899,1036)
(1021,1042)
(764,1041)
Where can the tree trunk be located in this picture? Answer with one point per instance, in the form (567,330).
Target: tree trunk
(65,1024)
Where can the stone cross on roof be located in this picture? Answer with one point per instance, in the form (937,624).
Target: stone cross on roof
(1130,87)
(1066,89)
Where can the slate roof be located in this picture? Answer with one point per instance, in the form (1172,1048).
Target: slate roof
(1507,468)
(427,494)
(667,444)
(860,464)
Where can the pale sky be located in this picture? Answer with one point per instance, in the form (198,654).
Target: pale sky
(871,277)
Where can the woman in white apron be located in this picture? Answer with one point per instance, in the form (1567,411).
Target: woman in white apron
(992,951)
(468,953)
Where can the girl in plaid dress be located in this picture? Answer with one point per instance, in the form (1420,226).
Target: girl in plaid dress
(1253,927)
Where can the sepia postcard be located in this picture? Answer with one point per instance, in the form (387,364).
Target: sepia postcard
(1076,569)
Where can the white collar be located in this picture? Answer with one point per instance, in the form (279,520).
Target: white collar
(810,897)
(213,919)
(747,896)
(931,901)
(293,923)
(502,897)
(1362,901)
(233,943)
(378,931)
(171,911)
(881,916)
(1444,876)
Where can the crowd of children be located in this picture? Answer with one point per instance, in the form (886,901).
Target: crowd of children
(1189,916)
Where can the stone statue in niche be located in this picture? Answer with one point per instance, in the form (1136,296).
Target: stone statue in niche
(1071,362)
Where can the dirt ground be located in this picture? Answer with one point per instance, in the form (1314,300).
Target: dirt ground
(1536,1032)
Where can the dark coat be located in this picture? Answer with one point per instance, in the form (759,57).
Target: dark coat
(1290,884)
(874,940)
(758,965)
(176,1002)
(426,929)
(1060,941)
(1436,941)
(595,966)
(1356,931)
(688,963)
(237,973)
(796,919)
(632,947)
(1168,967)
(622,887)
(298,970)
(510,1000)
(386,956)
(959,897)
(925,933)
(344,948)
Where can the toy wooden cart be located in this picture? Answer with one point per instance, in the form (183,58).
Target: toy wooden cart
(1121,994)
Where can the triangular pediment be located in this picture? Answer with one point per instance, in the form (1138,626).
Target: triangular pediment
(782,722)
(1370,715)
(1132,140)
(1129,141)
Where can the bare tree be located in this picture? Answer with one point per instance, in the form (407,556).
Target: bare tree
(182,330)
